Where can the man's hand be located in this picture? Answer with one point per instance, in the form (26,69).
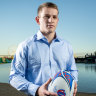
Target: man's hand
(75,89)
(42,91)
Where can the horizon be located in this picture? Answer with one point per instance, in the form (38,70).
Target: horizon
(77,23)
(75,54)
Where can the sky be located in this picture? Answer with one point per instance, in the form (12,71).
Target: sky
(77,23)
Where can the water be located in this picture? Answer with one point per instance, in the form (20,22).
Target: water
(87,76)
(4,72)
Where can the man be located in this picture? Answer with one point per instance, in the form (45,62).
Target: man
(40,57)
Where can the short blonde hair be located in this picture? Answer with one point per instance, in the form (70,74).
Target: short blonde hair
(48,5)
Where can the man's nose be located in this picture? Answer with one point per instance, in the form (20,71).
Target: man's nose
(50,19)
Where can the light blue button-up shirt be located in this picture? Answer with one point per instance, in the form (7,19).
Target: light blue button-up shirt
(36,61)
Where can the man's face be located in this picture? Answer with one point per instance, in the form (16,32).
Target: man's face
(48,19)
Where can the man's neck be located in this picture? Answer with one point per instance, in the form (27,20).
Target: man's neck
(50,36)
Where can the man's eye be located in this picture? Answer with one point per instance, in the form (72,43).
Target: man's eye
(47,16)
(55,17)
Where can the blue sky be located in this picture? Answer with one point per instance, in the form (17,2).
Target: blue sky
(77,23)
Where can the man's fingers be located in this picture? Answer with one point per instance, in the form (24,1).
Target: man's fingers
(75,89)
(75,85)
(50,93)
(46,84)
(46,92)
(53,94)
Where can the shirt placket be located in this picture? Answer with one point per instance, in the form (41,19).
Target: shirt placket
(50,58)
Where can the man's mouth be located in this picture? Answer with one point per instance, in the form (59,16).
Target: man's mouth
(50,26)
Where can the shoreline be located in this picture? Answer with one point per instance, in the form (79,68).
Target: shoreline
(5,63)
(7,90)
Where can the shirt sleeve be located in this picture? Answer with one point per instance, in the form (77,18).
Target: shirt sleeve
(17,76)
(72,65)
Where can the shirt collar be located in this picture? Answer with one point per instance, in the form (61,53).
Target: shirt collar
(41,36)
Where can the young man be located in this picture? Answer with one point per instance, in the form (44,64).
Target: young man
(39,58)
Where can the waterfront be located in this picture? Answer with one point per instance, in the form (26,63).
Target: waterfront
(87,76)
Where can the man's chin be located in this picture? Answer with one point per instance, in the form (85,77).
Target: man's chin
(51,31)
(48,32)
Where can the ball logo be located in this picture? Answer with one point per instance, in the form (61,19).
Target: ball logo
(61,92)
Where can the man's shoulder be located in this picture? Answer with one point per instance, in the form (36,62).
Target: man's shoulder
(27,41)
(64,41)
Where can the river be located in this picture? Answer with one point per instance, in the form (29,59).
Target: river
(86,77)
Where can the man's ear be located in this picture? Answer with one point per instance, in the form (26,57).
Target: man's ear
(37,20)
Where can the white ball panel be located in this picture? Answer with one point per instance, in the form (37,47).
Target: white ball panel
(59,83)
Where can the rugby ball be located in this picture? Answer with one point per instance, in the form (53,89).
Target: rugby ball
(62,84)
